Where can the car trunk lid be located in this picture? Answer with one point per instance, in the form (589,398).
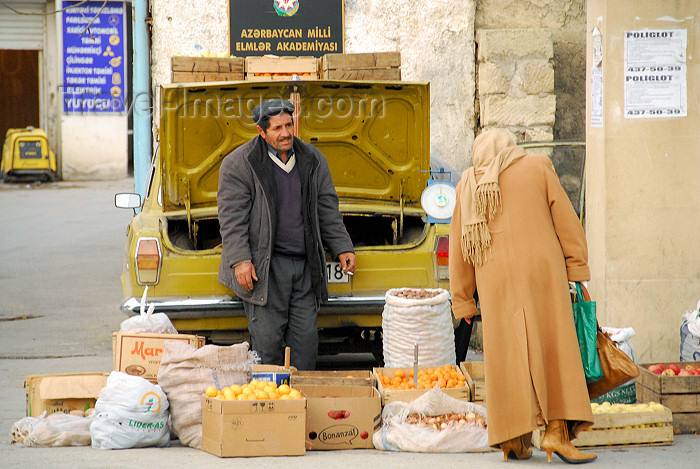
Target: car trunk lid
(375,136)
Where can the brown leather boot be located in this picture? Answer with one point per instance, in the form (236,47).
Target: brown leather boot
(516,448)
(556,440)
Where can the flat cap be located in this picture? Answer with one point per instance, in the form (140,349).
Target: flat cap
(272,107)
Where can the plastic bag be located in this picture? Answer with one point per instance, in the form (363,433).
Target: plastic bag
(131,412)
(622,336)
(185,373)
(57,429)
(423,321)
(690,336)
(586,324)
(397,434)
(158,323)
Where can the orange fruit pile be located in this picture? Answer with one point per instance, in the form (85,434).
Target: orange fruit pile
(445,377)
(254,390)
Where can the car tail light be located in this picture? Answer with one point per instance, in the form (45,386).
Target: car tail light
(148,261)
(442,257)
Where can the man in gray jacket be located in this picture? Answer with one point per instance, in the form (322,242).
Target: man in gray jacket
(277,210)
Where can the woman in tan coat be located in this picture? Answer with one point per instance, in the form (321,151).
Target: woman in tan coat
(515,237)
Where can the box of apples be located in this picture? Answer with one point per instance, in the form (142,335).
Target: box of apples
(676,386)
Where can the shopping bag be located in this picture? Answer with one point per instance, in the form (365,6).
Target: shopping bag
(617,367)
(586,332)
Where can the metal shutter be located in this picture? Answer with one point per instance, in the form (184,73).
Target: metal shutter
(18,31)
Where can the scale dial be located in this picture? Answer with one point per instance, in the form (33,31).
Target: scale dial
(439,200)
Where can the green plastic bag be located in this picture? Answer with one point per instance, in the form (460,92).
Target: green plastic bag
(586,331)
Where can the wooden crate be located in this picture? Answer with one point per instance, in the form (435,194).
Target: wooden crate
(206,69)
(369,66)
(333,378)
(612,430)
(474,371)
(681,394)
(407,395)
(280,68)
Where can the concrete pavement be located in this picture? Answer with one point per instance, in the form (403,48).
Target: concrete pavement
(61,249)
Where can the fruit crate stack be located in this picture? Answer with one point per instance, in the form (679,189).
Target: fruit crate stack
(676,386)
(273,68)
(207,69)
(368,66)
(615,425)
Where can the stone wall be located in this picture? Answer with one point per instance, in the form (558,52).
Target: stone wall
(566,19)
(560,25)
(516,82)
(435,39)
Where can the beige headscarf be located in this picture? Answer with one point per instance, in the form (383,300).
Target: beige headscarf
(494,151)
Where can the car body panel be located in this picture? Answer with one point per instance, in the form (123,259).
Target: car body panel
(375,136)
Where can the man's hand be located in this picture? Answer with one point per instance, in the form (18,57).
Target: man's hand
(245,274)
(347,262)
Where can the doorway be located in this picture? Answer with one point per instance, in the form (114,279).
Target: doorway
(19,82)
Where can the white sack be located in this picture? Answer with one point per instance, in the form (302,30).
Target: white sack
(147,322)
(131,412)
(397,435)
(690,336)
(57,429)
(426,322)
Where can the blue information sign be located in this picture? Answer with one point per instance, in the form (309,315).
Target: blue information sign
(93,57)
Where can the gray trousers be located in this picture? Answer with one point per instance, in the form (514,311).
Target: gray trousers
(289,318)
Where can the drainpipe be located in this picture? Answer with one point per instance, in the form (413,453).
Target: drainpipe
(142,107)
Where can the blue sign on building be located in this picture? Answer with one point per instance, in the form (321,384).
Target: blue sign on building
(94,71)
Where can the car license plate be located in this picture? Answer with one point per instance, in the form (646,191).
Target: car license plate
(335,273)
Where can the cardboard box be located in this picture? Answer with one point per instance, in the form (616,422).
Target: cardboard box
(206,69)
(63,392)
(625,394)
(341,417)
(681,394)
(139,354)
(273,373)
(253,427)
(334,377)
(652,428)
(280,68)
(407,395)
(368,66)
(476,379)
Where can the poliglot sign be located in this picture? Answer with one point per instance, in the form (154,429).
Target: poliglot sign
(94,68)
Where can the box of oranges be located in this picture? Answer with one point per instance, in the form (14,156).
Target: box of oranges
(258,418)
(402,384)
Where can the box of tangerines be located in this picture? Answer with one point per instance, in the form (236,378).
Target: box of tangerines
(257,418)
(403,384)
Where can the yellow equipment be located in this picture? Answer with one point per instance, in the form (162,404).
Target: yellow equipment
(26,155)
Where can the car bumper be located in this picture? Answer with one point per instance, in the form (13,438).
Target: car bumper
(226,306)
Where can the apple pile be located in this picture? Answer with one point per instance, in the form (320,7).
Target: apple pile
(673,369)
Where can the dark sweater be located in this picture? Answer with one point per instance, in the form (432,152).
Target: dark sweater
(289,239)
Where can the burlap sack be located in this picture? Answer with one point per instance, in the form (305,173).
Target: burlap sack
(186,372)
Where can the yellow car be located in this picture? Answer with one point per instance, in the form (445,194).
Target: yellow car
(375,137)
